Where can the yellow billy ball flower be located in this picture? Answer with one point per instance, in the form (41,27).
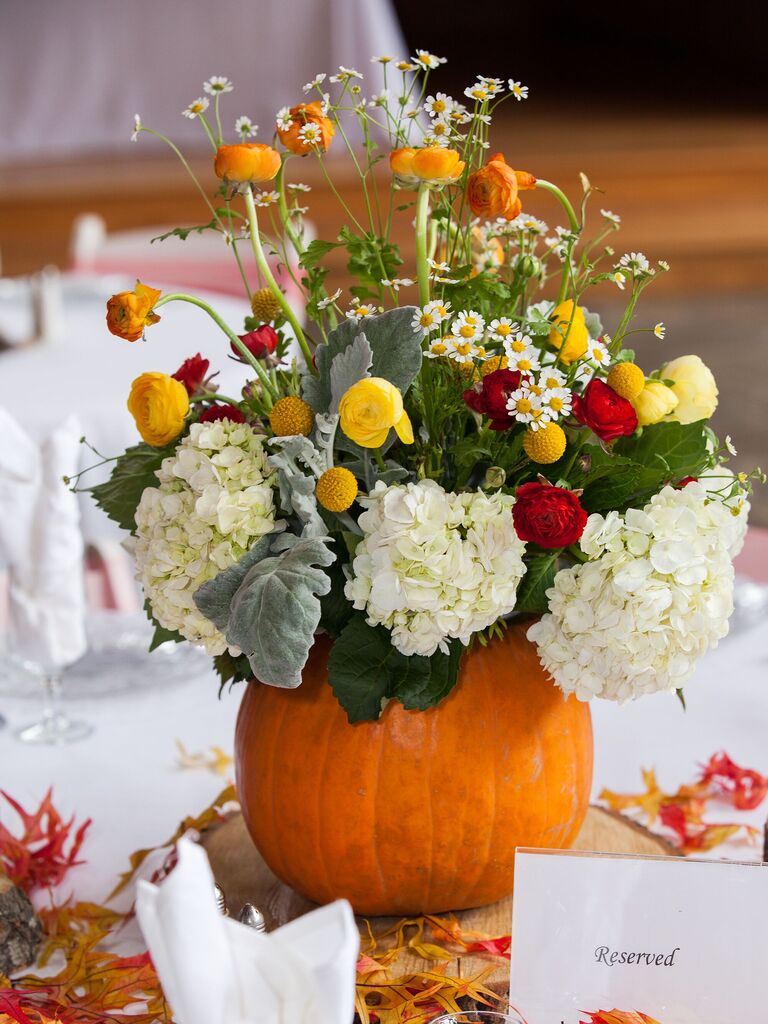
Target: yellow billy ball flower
(336,489)
(158,404)
(694,386)
(265,306)
(493,364)
(626,379)
(291,415)
(653,403)
(573,344)
(369,409)
(544,445)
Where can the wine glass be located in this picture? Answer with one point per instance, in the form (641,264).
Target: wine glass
(54,726)
(480,1017)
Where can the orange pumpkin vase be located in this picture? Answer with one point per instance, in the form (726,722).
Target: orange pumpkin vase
(420,811)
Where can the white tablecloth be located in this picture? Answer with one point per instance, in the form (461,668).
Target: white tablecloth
(125,776)
(89,371)
(79,70)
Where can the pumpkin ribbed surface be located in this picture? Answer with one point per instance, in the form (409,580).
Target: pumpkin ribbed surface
(422,810)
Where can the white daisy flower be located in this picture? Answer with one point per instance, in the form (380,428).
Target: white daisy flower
(137,126)
(197,107)
(441,267)
(437,349)
(477,92)
(361,311)
(502,328)
(311,134)
(441,141)
(518,90)
(439,105)
(396,283)
(637,262)
(217,84)
(298,186)
(379,99)
(329,300)
(483,118)
(405,65)
(459,114)
(345,74)
(463,351)
(316,82)
(550,379)
(556,402)
(664,265)
(266,198)
(468,326)
(524,404)
(382,60)
(521,353)
(428,60)
(660,330)
(730,445)
(598,353)
(439,309)
(609,215)
(283,119)
(245,127)
(493,85)
(619,279)
(532,225)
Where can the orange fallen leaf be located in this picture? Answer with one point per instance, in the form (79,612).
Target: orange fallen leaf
(619,1017)
(214,760)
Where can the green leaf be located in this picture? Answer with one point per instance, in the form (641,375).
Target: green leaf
(531,593)
(680,694)
(364,669)
(276,610)
(231,669)
(133,471)
(679,448)
(358,668)
(395,348)
(629,485)
(335,608)
(315,252)
(421,687)
(183,233)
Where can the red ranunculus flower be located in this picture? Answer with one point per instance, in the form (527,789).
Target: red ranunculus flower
(192,373)
(260,343)
(604,412)
(685,481)
(490,398)
(551,517)
(222,412)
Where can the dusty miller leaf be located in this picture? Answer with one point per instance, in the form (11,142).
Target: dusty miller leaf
(276,610)
(349,367)
(297,489)
(214,598)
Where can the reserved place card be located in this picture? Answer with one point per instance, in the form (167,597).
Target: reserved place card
(683,941)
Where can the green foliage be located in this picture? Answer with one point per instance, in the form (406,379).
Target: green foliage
(161,634)
(364,670)
(223,212)
(335,609)
(133,471)
(485,292)
(531,593)
(371,260)
(231,669)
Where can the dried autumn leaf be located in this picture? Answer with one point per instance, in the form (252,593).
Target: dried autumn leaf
(213,760)
(39,858)
(696,837)
(619,1017)
(745,788)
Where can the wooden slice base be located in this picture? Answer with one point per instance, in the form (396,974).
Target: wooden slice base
(240,870)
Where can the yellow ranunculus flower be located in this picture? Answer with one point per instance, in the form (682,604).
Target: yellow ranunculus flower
(694,386)
(369,409)
(653,403)
(574,344)
(433,164)
(246,161)
(159,405)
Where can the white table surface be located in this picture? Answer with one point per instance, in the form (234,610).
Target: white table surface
(125,776)
(89,371)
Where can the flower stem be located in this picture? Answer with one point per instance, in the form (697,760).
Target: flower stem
(263,265)
(422,267)
(215,396)
(261,373)
(564,202)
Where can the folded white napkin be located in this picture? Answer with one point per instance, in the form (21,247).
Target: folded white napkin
(41,544)
(217,971)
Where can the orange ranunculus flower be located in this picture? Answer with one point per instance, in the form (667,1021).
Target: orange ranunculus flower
(246,161)
(492,191)
(303,114)
(159,405)
(128,313)
(433,164)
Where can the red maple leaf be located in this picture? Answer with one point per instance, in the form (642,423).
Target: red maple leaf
(39,858)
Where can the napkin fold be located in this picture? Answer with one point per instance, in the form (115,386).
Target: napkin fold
(41,543)
(217,971)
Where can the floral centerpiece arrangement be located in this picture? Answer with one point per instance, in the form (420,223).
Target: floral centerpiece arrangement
(456,443)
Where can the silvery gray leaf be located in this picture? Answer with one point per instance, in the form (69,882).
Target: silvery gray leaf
(214,598)
(275,612)
(594,323)
(297,489)
(349,367)
(395,347)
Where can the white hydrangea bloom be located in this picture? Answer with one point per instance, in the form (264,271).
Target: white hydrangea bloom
(656,594)
(434,566)
(214,499)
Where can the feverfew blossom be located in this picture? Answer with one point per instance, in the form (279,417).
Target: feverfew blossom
(196,107)
(245,127)
(655,595)
(213,500)
(434,566)
(518,90)
(637,262)
(217,84)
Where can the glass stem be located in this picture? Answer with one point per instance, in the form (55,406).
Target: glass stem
(52,690)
